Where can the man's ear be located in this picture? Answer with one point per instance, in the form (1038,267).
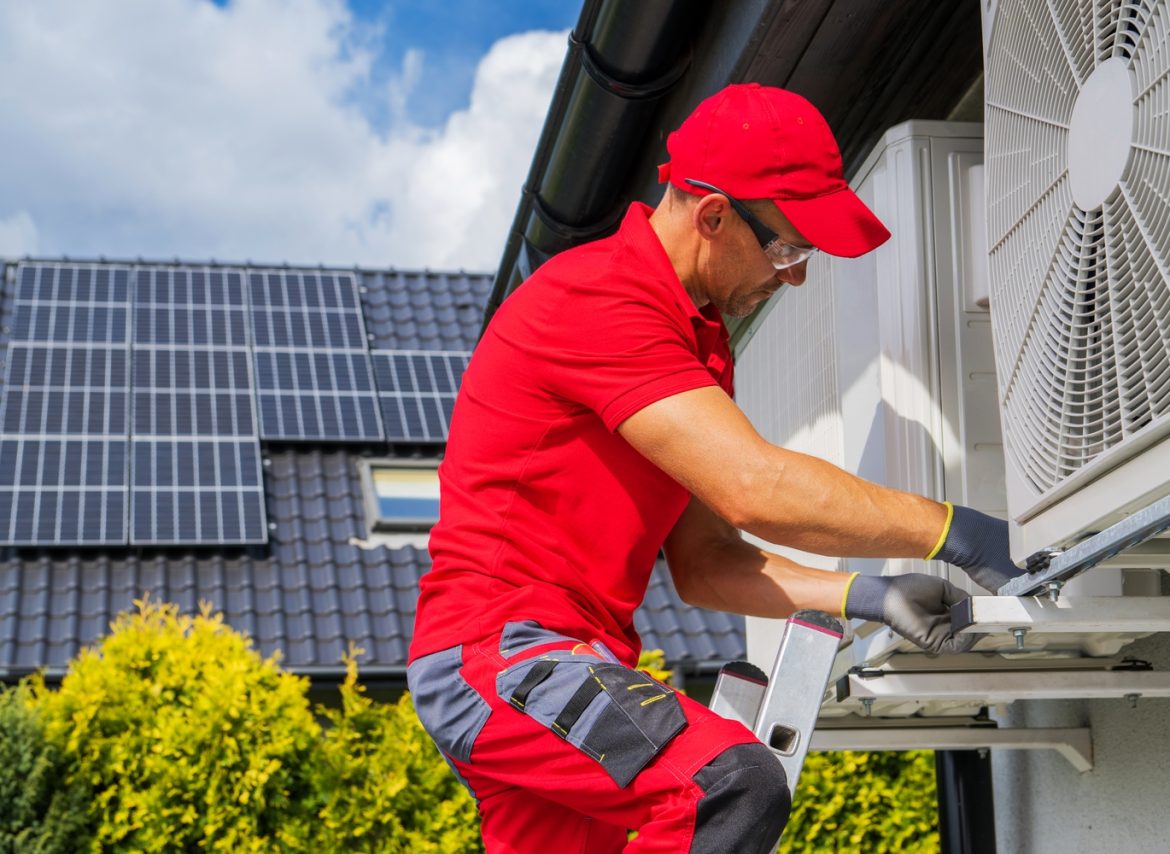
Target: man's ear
(709,216)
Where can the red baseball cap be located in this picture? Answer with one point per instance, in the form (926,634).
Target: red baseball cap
(759,142)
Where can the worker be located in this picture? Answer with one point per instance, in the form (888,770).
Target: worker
(594,427)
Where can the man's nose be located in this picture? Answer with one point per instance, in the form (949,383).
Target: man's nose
(793,275)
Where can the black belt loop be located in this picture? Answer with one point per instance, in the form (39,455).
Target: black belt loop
(539,672)
(576,706)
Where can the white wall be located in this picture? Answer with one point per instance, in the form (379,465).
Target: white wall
(1044,806)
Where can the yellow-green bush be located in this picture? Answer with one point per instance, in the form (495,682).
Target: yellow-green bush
(186,737)
(383,784)
(173,734)
(871,802)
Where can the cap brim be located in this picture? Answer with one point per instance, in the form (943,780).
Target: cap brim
(838,223)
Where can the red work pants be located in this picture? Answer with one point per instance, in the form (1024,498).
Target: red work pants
(565,751)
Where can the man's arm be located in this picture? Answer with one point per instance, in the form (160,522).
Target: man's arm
(702,440)
(713,567)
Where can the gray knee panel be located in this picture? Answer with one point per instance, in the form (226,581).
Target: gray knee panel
(746,802)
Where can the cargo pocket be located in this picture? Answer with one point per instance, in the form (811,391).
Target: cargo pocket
(619,717)
(451,711)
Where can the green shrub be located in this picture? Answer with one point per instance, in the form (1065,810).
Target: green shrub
(384,785)
(871,802)
(186,737)
(39,812)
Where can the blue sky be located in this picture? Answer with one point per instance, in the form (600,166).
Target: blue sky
(453,37)
(390,133)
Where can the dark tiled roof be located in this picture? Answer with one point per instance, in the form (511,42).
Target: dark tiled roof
(424,311)
(317,586)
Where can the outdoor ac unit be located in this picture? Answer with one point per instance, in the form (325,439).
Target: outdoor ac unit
(884,364)
(1078,229)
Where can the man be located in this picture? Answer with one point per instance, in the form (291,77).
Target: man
(594,427)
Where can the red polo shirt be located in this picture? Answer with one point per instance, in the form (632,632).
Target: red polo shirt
(546,513)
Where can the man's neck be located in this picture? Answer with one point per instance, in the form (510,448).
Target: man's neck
(682,249)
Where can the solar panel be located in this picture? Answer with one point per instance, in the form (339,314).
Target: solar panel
(195,450)
(64,412)
(313,376)
(416,390)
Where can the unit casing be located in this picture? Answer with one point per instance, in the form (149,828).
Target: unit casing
(1078,219)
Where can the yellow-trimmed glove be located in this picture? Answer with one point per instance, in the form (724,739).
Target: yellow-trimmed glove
(917,606)
(978,545)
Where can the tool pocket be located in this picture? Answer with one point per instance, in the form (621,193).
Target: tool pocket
(617,716)
(451,711)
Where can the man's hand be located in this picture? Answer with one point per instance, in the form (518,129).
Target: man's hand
(978,544)
(915,605)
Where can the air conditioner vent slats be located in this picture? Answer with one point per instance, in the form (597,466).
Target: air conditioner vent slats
(1073,24)
(1028,156)
(1080,265)
(1151,60)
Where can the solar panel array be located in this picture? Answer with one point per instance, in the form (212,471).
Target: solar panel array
(195,449)
(312,364)
(417,392)
(64,413)
(136,396)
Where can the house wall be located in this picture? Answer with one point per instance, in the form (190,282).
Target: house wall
(1044,806)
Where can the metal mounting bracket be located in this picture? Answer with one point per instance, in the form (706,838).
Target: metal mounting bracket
(990,688)
(1126,614)
(1074,744)
(1046,568)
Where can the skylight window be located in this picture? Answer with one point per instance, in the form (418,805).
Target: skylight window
(401,495)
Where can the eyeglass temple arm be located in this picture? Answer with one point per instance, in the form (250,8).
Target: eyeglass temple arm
(763,234)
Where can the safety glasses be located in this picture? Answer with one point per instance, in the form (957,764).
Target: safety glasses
(779,253)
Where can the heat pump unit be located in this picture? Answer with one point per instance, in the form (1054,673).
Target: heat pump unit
(1078,229)
(884,364)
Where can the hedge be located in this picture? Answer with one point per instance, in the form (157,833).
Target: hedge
(871,802)
(172,733)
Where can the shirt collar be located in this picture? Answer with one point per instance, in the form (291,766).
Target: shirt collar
(642,239)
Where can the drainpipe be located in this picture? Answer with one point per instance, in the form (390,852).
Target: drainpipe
(623,57)
(966,803)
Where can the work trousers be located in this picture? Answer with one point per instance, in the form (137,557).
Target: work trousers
(566,750)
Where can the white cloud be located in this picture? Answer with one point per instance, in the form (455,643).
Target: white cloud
(18,235)
(177,128)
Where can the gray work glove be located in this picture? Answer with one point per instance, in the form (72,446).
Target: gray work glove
(978,545)
(916,606)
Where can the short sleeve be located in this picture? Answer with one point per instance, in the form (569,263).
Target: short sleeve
(622,360)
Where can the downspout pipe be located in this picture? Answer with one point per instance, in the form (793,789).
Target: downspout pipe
(623,57)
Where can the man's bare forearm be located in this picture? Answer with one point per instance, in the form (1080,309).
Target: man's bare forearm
(707,444)
(740,578)
(809,504)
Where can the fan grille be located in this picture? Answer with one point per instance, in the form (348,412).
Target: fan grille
(1080,298)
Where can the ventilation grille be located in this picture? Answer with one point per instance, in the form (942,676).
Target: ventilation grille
(1080,298)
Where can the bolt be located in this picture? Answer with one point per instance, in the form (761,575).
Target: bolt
(867,704)
(1054,590)
(1019,633)
(1133,698)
